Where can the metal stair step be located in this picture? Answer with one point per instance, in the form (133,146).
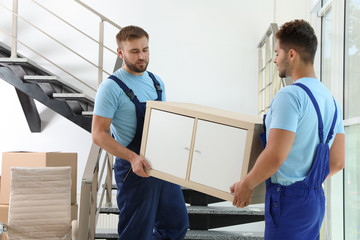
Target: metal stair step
(53,81)
(218,210)
(223,235)
(87,113)
(195,234)
(78,102)
(41,78)
(110,210)
(69,96)
(204,210)
(204,218)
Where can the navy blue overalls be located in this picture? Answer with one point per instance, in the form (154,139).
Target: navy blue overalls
(297,211)
(149,207)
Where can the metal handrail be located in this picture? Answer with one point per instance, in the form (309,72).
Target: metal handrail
(98,14)
(72,26)
(89,204)
(272,29)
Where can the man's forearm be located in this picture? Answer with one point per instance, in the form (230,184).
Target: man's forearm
(265,166)
(109,144)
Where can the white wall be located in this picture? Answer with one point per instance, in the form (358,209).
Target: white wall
(205,51)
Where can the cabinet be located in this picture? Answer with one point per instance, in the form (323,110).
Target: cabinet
(202,148)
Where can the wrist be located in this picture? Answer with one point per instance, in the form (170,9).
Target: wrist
(248,183)
(131,156)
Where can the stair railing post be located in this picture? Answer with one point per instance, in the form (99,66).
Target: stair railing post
(101,51)
(108,180)
(93,206)
(14,29)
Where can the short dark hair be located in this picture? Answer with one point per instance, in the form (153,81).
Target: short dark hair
(300,36)
(129,33)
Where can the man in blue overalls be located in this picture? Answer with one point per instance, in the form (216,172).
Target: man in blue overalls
(303,122)
(149,208)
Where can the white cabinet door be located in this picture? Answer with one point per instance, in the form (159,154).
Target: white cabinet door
(218,155)
(168,143)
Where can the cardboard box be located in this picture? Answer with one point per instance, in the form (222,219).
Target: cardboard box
(36,159)
(74,211)
(202,148)
(4,209)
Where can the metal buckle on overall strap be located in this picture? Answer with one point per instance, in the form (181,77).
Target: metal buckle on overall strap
(158,87)
(130,94)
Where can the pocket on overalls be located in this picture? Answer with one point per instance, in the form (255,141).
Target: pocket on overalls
(269,219)
(131,179)
(123,172)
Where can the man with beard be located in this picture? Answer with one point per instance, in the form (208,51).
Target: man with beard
(305,143)
(149,207)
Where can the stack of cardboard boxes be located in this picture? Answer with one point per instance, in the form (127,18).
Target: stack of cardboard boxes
(32,160)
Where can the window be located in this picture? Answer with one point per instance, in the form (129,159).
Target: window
(352,121)
(326,50)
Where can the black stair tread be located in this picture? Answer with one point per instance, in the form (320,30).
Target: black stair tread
(51,79)
(218,210)
(25,62)
(197,198)
(195,234)
(20,59)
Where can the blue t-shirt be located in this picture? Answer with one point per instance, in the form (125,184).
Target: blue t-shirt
(112,102)
(292,110)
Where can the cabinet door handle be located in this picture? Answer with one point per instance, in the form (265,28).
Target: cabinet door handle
(198,151)
(186,148)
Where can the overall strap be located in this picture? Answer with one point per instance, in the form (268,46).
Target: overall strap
(321,128)
(263,134)
(156,85)
(320,123)
(125,88)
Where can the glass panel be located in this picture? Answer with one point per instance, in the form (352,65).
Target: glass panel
(326,50)
(352,59)
(324,1)
(352,183)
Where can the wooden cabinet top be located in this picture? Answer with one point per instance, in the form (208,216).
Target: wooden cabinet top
(207,113)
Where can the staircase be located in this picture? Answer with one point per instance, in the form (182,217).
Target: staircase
(33,82)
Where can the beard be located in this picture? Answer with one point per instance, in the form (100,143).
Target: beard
(283,72)
(136,68)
